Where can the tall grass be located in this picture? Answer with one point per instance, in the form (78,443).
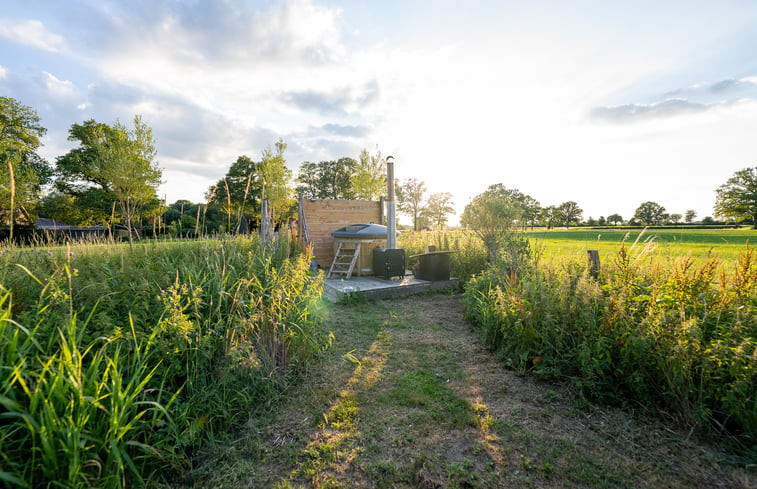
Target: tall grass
(680,336)
(178,344)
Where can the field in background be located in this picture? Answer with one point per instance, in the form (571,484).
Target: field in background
(668,243)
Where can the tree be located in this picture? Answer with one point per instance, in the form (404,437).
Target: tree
(410,200)
(650,213)
(118,161)
(439,205)
(20,133)
(275,181)
(492,214)
(569,213)
(737,198)
(675,218)
(132,172)
(549,216)
(238,193)
(615,219)
(327,179)
(369,177)
(601,221)
(691,214)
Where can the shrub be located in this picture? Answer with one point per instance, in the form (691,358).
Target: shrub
(681,336)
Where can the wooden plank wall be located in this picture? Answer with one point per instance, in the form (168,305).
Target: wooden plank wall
(326,216)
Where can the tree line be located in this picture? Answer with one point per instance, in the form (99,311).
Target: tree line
(112,177)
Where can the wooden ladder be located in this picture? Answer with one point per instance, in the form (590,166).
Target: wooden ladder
(344,259)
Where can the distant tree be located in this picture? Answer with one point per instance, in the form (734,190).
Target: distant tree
(650,213)
(737,198)
(327,179)
(369,178)
(531,209)
(569,213)
(439,205)
(601,221)
(591,221)
(238,193)
(615,219)
(708,220)
(675,218)
(690,216)
(410,195)
(20,133)
(549,216)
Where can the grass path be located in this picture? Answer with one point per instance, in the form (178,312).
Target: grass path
(408,398)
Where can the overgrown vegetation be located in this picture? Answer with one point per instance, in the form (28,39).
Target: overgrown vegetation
(680,336)
(115,365)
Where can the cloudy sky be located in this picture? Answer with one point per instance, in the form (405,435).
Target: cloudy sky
(609,104)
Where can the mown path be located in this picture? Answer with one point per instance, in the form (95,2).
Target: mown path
(409,398)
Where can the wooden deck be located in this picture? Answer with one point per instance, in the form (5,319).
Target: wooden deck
(376,288)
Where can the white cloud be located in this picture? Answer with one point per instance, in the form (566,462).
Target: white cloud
(3,72)
(31,33)
(57,87)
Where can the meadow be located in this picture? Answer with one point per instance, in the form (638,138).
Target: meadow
(667,243)
(117,364)
(667,331)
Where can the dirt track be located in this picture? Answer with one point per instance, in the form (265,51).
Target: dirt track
(408,397)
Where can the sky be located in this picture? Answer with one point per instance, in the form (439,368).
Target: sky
(609,104)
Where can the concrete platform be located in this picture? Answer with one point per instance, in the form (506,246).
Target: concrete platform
(376,288)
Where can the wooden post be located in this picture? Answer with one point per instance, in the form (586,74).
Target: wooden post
(265,222)
(593,262)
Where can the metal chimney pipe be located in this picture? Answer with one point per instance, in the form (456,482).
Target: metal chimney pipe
(391,224)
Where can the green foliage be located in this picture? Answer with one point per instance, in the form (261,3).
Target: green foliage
(369,178)
(496,212)
(410,195)
(23,172)
(439,205)
(737,198)
(118,162)
(568,213)
(327,179)
(274,180)
(650,213)
(682,337)
(180,342)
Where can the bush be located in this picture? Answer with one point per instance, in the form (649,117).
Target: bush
(681,336)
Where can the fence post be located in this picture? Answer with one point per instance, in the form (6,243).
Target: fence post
(593,262)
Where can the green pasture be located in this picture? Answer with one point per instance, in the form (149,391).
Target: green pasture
(726,244)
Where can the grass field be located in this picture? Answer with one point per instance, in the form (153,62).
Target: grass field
(667,243)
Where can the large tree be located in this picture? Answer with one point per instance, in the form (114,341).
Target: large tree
(690,215)
(650,213)
(410,196)
(737,198)
(569,213)
(615,219)
(24,171)
(439,205)
(118,161)
(369,178)
(327,179)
